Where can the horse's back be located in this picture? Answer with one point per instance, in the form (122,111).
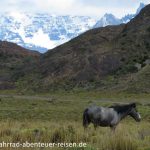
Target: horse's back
(94,112)
(104,115)
(94,109)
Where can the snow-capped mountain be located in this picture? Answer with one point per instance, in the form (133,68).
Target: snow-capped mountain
(142,5)
(128,17)
(42,31)
(109,19)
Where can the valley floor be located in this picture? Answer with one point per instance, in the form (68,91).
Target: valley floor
(57,118)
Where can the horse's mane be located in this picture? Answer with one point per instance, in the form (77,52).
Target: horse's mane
(123,108)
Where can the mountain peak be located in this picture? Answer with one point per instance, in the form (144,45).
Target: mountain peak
(110,19)
(107,19)
(141,6)
(109,15)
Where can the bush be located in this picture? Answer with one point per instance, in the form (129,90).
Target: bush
(148,29)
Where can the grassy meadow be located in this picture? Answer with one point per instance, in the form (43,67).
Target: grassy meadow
(57,117)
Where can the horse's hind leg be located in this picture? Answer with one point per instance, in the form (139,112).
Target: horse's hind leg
(86,125)
(95,126)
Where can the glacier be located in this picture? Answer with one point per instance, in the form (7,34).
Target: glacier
(42,31)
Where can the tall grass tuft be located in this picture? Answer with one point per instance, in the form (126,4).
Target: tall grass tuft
(59,135)
(120,143)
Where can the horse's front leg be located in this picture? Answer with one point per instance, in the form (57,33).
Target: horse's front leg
(113,128)
(96,124)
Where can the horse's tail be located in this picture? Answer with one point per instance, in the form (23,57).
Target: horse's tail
(86,119)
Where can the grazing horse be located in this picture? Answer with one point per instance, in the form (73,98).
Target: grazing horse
(109,116)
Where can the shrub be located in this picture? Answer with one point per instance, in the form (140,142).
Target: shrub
(148,29)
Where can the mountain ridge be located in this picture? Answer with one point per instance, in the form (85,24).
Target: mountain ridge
(15,61)
(11,48)
(101,58)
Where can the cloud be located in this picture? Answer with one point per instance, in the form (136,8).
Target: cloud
(73,7)
(117,7)
(53,5)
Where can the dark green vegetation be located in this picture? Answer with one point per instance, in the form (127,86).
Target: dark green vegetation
(110,58)
(15,62)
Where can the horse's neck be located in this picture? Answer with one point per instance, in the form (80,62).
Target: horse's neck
(124,114)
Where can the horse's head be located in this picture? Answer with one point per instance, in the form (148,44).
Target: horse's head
(134,113)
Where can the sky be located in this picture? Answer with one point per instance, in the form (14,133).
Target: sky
(93,8)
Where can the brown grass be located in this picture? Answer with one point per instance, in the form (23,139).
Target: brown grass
(128,136)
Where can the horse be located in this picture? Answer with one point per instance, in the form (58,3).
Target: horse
(109,116)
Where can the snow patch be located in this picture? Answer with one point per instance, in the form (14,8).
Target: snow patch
(39,38)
